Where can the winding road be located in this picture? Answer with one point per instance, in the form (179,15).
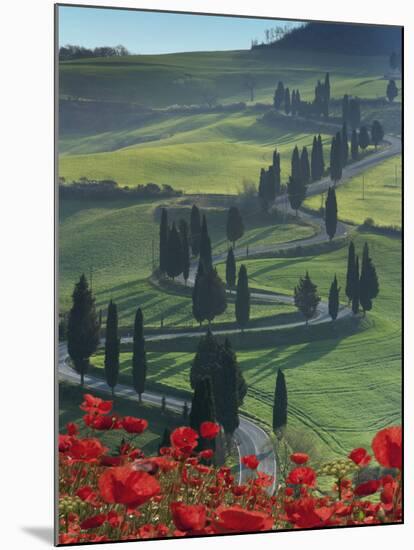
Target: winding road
(250,438)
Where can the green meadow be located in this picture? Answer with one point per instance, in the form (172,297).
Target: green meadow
(343,379)
(375,194)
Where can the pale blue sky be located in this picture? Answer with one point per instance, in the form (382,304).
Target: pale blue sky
(152,32)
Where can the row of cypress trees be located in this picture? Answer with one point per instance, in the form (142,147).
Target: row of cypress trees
(292,103)
(362,285)
(83,338)
(270,182)
(174,248)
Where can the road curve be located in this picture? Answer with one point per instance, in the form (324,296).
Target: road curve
(250,438)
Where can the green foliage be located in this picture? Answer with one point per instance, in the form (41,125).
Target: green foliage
(112,343)
(296,187)
(230,269)
(345,145)
(331,213)
(211,296)
(350,272)
(392,91)
(304,166)
(363,138)
(139,356)
(355,288)
(354,145)
(333,304)
(280,404)
(235,226)
(242,298)
(279,95)
(287,101)
(164,235)
(185,248)
(203,410)
(336,158)
(205,247)
(306,297)
(368,283)
(195,230)
(83,327)
(175,255)
(377,133)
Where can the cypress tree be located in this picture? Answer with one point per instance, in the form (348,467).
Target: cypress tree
(320,156)
(333,304)
(345,109)
(262,189)
(203,410)
(315,160)
(345,146)
(354,113)
(276,171)
(368,283)
(304,166)
(363,138)
(280,404)
(350,273)
(230,269)
(112,347)
(287,101)
(279,96)
(392,91)
(235,227)
(336,158)
(164,234)
(354,145)
(197,312)
(195,229)
(296,187)
(228,399)
(306,297)
(83,327)
(355,288)
(175,253)
(327,95)
(211,296)
(139,357)
(242,298)
(377,133)
(205,247)
(331,213)
(183,229)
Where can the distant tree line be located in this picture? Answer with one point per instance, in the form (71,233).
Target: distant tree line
(109,190)
(291,103)
(70,51)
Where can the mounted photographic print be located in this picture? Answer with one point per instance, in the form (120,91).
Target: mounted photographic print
(229,274)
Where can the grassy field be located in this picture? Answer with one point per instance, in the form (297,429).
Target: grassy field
(115,240)
(70,397)
(239,143)
(382,196)
(186,78)
(342,388)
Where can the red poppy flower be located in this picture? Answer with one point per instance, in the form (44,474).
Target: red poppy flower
(191,517)
(387,447)
(360,457)
(367,488)
(100,422)
(209,430)
(72,428)
(299,458)
(114,519)
(87,494)
(134,425)
(250,461)
(86,450)
(184,439)
(302,476)
(65,442)
(207,454)
(237,519)
(95,405)
(93,522)
(123,485)
(304,513)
